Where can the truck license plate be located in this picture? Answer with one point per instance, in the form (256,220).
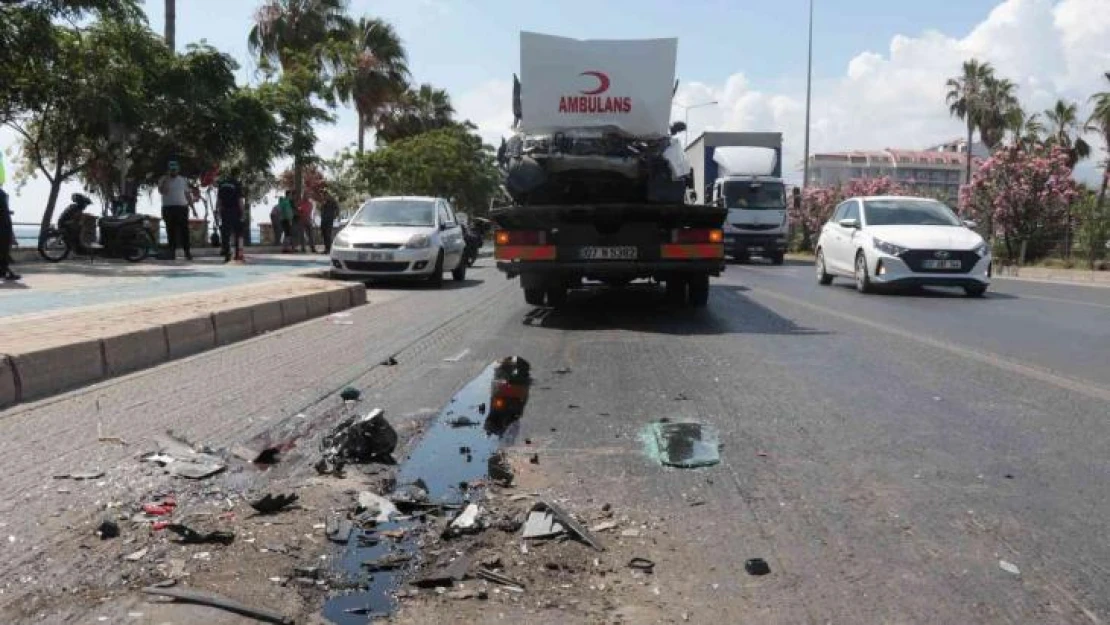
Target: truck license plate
(941,264)
(627,252)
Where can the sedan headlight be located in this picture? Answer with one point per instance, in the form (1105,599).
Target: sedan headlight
(983,249)
(419,242)
(888,248)
(342,240)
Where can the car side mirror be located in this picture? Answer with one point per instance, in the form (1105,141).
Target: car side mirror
(851,224)
(971,224)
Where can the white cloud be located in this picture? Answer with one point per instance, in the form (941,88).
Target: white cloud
(1050,49)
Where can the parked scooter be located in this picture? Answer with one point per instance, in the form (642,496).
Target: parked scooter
(125,237)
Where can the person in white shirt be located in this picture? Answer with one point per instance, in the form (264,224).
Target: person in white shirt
(176,202)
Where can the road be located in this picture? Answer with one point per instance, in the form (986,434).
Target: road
(883,453)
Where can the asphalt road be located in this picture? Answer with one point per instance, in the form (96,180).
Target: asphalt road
(883,453)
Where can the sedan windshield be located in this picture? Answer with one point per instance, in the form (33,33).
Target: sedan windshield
(908,213)
(755,195)
(415,213)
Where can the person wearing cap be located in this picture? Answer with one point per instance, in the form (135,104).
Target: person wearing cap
(176,202)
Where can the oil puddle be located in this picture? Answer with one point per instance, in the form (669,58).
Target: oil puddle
(457,456)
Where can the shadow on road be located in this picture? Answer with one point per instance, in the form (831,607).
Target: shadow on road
(644,308)
(927,292)
(399,284)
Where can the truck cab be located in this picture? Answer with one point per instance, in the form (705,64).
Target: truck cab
(757,219)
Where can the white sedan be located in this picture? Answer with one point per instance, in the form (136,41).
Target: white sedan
(909,241)
(401,237)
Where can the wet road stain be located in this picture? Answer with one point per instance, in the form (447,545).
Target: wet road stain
(451,463)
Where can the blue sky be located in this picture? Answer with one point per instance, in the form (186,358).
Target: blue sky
(879,66)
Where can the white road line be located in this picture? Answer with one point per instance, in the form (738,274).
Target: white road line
(457,357)
(1091,390)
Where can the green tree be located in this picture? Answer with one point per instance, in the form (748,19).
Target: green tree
(1099,122)
(1064,130)
(447,162)
(1025,130)
(996,106)
(964,97)
(417,111)
(375,74)
(1094,227)
(306,39)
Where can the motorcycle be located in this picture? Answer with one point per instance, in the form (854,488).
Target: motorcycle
(474,234)
(125,237)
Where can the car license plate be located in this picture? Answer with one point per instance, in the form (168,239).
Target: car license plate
(376,256)
(626,252)
(941,264)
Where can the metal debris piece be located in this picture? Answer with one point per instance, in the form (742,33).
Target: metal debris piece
(467,521)
(757,566)
(338,530)
(462,422)
(358,439)
(686,445)
(497,578)
(387,562)
(195,470)
(542,524)
(642,564)
(446,575)
(604,526)
(190,536)
(80,475)
(216,601)
(1009,567)
(389,362)
(573,526)
(271,504)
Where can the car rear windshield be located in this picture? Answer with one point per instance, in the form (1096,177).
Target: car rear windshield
(396,213)
(755,195)
(908,213)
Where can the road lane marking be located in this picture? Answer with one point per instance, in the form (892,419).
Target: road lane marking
(459,356)
(1059,300)
(1089,389)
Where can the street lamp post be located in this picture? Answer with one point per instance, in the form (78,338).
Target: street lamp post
(686,108)
(809,85)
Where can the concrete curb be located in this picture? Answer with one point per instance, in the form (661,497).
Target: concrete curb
(46,372)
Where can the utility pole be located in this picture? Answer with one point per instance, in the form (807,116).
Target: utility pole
(170,34)
(809,87)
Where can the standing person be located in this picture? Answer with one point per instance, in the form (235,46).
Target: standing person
(7,238)
(176,203)
(230,204)
(328,212)
(288,214)
(304,217)
(275,223)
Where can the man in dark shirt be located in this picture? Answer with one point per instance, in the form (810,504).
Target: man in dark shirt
(229,199)
(328,212)
(7,238)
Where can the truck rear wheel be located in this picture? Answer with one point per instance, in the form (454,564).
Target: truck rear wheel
(534,297)
(699,290)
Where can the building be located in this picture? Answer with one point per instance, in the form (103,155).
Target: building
(937,171)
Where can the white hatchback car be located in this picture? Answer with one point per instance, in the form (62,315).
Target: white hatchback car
(893,240)
(400,237)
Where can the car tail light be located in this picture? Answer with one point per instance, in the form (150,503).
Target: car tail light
(521,237)
(688,236)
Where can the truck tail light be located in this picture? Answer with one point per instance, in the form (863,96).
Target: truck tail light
(693,236)
(521,237)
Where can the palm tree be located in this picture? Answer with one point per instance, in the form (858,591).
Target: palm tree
(1099,122)
(171,24)
(1064,120)
(1025,130)
(377,73)
(996,106)
(305,36)
(418,110)
(964,96)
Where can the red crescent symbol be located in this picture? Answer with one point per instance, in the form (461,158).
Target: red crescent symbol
(602,82)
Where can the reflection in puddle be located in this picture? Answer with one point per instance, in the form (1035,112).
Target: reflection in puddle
(448,464)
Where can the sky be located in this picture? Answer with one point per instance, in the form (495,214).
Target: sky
(879,67)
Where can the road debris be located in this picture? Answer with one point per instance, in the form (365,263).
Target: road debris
(604,526)
(561,371)
(686,445)
(445,575)
(107,529)
(497,578)
(213,600)
(80,475)
(389,362)
(1009,567)
(195,470)
(757,566)
(542,524)
(136,556)
(374,505)
(462,422)
(338,530)
(534,459)
(568,521)
(387,562)
(158,509)
(630,533)
(359,440)
(350,393)
(642,564)
(271,504)
(189,536)
(467,521)
(498,469)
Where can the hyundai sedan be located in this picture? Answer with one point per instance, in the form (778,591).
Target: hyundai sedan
(892,240)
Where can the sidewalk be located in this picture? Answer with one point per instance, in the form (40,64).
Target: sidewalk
(58,348)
